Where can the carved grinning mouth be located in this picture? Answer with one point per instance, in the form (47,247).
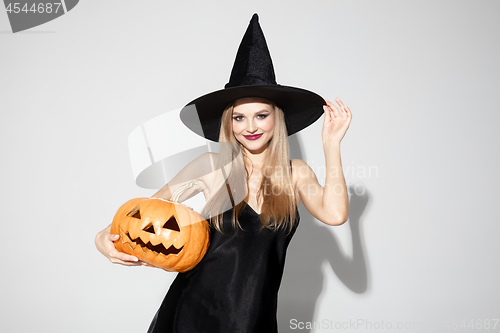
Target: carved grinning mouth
(155,248)
(160,248)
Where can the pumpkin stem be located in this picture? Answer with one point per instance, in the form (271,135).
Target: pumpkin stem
(177,194)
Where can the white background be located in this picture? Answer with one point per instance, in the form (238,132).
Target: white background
(422,81)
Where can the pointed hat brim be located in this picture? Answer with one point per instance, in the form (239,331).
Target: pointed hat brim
(301,107)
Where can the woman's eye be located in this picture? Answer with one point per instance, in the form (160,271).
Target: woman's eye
(262,116)
(238,118)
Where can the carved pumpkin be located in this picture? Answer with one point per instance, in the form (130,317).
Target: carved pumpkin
(163,233)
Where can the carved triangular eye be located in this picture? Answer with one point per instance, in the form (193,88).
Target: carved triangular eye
(134,213)
(150,229)
(172,224)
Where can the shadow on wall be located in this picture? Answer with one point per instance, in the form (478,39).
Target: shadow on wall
(312,245)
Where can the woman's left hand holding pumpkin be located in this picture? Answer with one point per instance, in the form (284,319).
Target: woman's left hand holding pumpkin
(336,122)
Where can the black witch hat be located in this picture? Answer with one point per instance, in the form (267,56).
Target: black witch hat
(252,76)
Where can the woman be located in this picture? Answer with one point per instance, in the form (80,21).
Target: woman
(235,287)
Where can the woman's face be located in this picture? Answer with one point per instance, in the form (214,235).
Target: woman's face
(253,123)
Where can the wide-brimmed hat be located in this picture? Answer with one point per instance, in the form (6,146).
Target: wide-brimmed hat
(252,76)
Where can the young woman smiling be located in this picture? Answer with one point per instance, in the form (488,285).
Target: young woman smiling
(252,193)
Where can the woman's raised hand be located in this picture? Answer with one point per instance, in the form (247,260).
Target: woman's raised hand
(336,122)
(104,243)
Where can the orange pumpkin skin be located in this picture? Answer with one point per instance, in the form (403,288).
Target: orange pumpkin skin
(162,233)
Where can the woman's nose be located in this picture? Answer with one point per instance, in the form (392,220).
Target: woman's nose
(251,126)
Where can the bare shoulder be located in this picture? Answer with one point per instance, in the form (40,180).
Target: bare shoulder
(301,170)
(204,165)
(206,156)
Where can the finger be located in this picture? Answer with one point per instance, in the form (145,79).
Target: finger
(330,111)
(331,114)
(125,257)
(126,263)
(327,118)
(112,237)
(335,111)
(339,102)
(348,111)
(113,253)
(344,107)
(343,111)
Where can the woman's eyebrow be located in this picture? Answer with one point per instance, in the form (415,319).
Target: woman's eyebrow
(240,114)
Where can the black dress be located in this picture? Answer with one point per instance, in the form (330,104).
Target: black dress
(234,289)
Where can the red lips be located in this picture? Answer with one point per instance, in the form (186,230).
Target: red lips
(253,137)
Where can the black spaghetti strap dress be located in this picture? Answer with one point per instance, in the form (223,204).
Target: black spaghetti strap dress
(234,288)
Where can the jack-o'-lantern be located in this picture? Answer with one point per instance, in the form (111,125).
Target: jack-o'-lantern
(163,233)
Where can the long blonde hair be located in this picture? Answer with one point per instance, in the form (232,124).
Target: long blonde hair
(278,194)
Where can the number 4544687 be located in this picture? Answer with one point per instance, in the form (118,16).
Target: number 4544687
(477,324)
(41,7)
